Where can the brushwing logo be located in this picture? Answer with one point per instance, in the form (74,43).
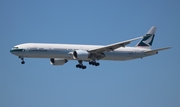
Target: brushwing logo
(148,41)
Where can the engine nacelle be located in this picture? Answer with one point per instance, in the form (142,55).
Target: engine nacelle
(81,54)
(58,61)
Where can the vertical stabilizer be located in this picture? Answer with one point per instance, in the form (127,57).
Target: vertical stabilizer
(147,40)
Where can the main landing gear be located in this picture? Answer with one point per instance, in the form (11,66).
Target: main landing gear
(80,65)
(94,63)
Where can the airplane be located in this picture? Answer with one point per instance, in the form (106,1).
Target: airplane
(59,54)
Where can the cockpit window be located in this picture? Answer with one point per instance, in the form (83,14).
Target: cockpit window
(15,48)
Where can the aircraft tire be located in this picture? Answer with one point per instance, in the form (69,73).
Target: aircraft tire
(83,67)
(23,62)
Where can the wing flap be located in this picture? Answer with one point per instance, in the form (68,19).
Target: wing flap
(112,47)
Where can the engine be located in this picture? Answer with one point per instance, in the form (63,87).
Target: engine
(58,61)
(81,54)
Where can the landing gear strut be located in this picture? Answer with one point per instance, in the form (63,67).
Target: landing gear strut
(80,65)
(94,63)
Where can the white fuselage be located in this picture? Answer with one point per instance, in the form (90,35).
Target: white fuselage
(59,54)
(44,50)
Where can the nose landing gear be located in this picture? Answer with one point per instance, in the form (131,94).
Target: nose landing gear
(22,60)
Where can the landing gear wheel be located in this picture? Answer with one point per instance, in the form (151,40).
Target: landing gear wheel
(94,63)
(77,66)
(23,62)
(90,63)
(83,67)
(97,64)
(80,65)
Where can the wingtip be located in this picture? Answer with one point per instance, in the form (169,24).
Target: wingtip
(169,47)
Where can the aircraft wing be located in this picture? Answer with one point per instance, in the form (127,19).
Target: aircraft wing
(156,50)
(112,47)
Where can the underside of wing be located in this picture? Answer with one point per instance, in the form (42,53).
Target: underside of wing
(112,47)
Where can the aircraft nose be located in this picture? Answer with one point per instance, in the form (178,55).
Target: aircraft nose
(12,51)
(16,50)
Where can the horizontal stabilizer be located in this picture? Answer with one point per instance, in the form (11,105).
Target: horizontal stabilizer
(156,50)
